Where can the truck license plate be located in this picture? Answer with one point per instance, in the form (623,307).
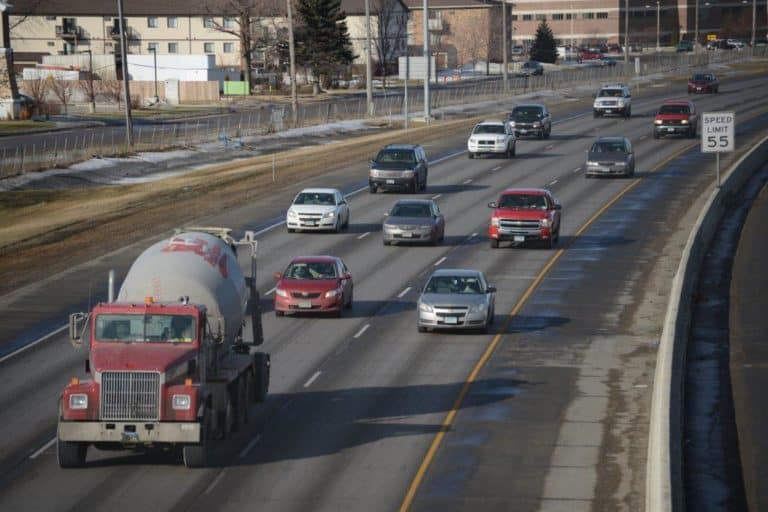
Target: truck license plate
(451,320)
(670,129)
(523,131)
(305,304)
(519,238)
(390,182)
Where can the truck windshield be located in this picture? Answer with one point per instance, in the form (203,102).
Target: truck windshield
(127,328)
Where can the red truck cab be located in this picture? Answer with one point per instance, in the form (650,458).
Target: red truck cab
(525,214)
(676,117)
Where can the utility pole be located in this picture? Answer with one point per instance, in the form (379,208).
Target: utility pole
(754,18)
(696,28)
(90,79)
(572,14)
(154,54)
(126,75)
(368,77)
(658,25)
(427,106)
(626,31)
(505,44)
(292,55)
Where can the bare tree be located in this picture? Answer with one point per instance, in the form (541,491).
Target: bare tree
(392,22)
(63,90)
(36,89)
(30,8)
(90,88)
(473,42)
(237,17)
(112,89)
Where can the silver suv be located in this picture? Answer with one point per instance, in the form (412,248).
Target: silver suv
(456,299)
(613,99)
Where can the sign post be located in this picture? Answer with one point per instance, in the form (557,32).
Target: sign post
(718,134)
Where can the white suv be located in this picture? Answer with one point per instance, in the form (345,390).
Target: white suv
(318,208)
(613,99)
(495,137)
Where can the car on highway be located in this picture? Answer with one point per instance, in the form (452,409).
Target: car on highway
(613,99)
(530,68)
(676,117)
(456,299)
(491,137)
(314,284)
(414,220)
(703,83)
(399,167)
(318,209)
(530,119)
(610,156)
(523,215)
(684,46)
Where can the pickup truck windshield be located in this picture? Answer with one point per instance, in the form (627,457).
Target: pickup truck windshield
(129,328)
(674,109)
(526,112)
(489,128)
(523,202)
(465,285)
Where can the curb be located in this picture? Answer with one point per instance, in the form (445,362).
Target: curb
(664,470)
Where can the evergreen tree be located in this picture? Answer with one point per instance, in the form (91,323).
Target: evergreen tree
(322,40)
(544,48)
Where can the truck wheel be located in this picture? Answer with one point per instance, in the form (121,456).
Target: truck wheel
(197,455)
(291,230)
(595,114)
(261,366)
(414,186)
(470,155)
(514,149)
(71,454)
(421,329)
(494,243)
(279,313)
(242,398)
(372,189)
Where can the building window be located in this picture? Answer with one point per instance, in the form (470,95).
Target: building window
(568,16)
(172,21)
(541,17)
(587,15)
(208,21)
(51,18)
(152,47)
(51,43)
(558,16)
(602,15)
(229,22)
(173,47)
(153,22)
(527,17)
(208,47)
(514,17)
(229,47)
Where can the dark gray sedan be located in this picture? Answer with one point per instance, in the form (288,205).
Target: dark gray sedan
(414,220)
(611,156)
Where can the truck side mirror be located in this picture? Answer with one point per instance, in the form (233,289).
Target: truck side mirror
(557,207)
(492,204)
(77,323)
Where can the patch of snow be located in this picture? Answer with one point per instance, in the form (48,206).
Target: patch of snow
(163,156)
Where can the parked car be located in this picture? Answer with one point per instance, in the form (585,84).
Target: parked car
(414,220)
(517,50)
(587,56)
(314,284)
(684,46)
(703,83)
(531,67)
(399,167)
(491,137)
(613,99)
(456,299)
(610,156)
(676,117)
(318,209)
(524,215)
(607,61)
(531,119)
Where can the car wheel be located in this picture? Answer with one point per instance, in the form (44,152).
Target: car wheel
(421,329)
(337,226)
(386,242)
(279,313)
(514,149)
(291,230)
(346,223)
(414,186)
(470,155)
(424,185)
(549,132)
(372,189)
(655,134)
(351,298)
(494,243)
(434,239)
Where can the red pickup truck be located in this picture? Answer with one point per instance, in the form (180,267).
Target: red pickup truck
(525,214)
(676,117)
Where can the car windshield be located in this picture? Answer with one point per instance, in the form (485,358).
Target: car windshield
(464,285)
(611,93)
(523,201)
(396,156)
(526,112)
(531,65)
(608,147)
(411,210)
(489,128)
(674,109)
(311,270)
(315,198)
(131,328)
(702,78)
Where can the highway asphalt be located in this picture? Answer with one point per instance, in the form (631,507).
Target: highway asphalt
(364,412)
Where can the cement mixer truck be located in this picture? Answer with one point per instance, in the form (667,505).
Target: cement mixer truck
(172,362)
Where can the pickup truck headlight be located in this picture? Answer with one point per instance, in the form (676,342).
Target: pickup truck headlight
(407,174)
(537,125)
(545,222)
(425,308)
(592,164)
(281,292)
(374,173)
(684,121)
(657,121)
(181,402)
(495,221)
(78,401)
(329,215)
(511,123)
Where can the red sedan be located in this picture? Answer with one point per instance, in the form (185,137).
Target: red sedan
(315,284)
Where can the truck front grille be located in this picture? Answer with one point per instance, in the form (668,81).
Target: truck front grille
(127,396)
(511,224)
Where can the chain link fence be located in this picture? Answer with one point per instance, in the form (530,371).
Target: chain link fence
(63,149)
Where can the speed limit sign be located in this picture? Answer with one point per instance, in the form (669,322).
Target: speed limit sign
(717,132)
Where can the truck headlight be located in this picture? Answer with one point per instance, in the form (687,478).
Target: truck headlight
(511,123)
(684,121)
(407,174)
(425,308)
(374,173)
(657,121)
(537,125)
(78,401)
(181,402)
(281,292)
(495,221)
(592,164)
(545,223)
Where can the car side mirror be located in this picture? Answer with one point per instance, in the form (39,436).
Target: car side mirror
(492,204)
(557,207)
(347,275)
(386,214)
(490,289)
(278,275)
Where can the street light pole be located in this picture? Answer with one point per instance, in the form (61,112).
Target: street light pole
(505,43)
(154,54)
(126,75)
(90,80)
(292,58)
(368,77)
(754,18)
(427,110)
(626,30)
(696,28)
(658,24)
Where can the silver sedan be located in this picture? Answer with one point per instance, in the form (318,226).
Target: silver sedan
(456,299)
(414,220)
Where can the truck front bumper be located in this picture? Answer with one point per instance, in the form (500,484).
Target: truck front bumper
(129,432)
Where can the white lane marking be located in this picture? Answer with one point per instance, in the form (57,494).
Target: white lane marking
(643,137)
(549,147)
(215,482)
(447,157)
(402,293)
(473,235)
(552,182)
(271,291)
(576,170)
(437,196)
(38,340)
(467,181)
(438,262)
(496,168)
(249,446)
(40,450)
(361,331)
(364,235)
(312,379)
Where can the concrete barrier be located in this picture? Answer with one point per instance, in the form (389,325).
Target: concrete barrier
(664,469)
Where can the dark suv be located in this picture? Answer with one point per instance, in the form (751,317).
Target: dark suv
(399,166)
(531,119)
